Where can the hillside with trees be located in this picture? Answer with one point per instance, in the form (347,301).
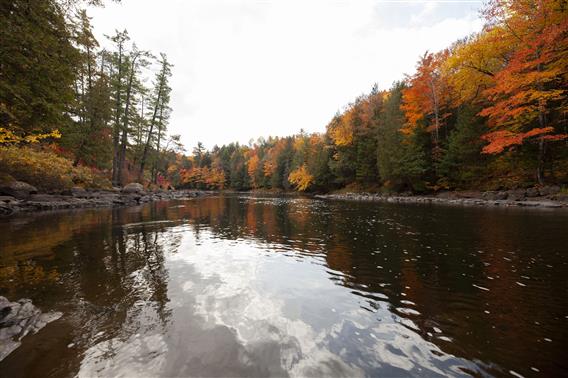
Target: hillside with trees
(490,111)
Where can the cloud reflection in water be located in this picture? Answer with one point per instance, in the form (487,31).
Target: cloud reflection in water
(238,308)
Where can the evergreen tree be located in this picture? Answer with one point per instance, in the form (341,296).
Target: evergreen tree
(401,160)
(38,63)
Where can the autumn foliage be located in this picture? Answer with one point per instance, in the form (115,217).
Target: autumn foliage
(489,111)
(527,100)
(301,178)
(44,169)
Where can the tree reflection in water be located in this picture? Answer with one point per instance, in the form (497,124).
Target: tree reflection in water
(276,286)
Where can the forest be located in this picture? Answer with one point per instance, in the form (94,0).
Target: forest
(73,113)
(488,112)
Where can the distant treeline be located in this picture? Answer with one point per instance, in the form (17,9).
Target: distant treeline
(490,111)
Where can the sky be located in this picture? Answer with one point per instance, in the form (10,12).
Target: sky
(245,69)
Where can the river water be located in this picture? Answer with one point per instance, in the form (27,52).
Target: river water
(264,286)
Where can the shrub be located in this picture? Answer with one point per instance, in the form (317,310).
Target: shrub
(47,171)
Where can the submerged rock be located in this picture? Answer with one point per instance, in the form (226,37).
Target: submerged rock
(17,319)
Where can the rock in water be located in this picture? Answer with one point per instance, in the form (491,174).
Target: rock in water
(17,319)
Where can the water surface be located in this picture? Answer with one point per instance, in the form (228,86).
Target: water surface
(247,286)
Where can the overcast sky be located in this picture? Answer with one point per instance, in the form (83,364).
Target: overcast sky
(244,69)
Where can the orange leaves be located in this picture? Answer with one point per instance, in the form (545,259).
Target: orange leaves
(500,140)
(269,168)
(357,120)
(211,178)
(532,85)
(273,154)
(427,94)
(301,178)
(252,167)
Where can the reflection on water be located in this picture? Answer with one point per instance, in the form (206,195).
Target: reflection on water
(243,286)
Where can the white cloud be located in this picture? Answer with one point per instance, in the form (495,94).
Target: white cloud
(245,69)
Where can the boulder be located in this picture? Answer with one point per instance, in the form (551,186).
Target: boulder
(18,189)
(133,187)
(494,196)
(560,197)
(549,190)
(516,194)
(532,192)
(77,191)
(444,194)
(7,199)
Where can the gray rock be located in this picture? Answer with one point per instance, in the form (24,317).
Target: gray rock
(561,197)
(17,319)
(77,191)
(133,187)
(494,196)
(18,189)
(543,204)
(532,192)
(6,210)
(549,190)
(7,199)
(44,197)
(516,194)
(444,194)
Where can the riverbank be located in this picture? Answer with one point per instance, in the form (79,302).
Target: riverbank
(547,197)
(77,198)
(81,198)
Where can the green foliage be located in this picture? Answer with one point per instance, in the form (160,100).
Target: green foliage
(462,164)
(47,171)
(425,132)
(38,66)
(401,159)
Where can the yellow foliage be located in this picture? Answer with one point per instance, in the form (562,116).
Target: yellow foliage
(472,63)
(211,178)
(7,137)
(301,178)
(46,170)
(342,131)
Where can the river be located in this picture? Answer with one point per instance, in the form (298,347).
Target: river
(238,285)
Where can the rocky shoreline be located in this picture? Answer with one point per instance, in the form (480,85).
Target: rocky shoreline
(28,200)
(547,197)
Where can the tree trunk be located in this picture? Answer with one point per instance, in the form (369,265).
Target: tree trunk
(146,146)
(124,136)
(541,142)
(91,110)
(436,111)
(116,131)
(156,162)
(540,167)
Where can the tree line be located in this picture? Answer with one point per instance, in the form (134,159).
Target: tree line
(490,111)
(92,104)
